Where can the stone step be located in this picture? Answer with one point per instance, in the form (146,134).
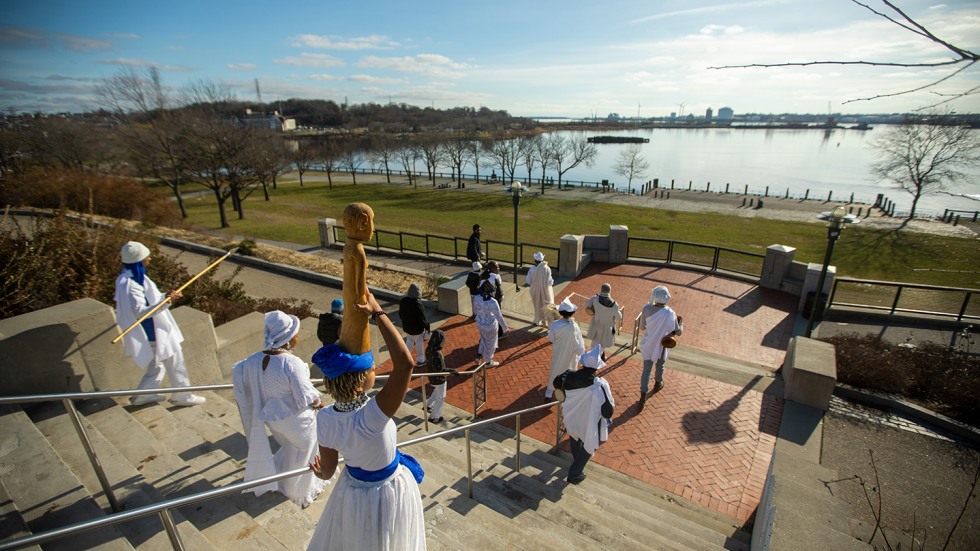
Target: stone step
(128,485)
(12,523)
(554,513)
(219,520)
(616,489)
(219,426)
(43,488)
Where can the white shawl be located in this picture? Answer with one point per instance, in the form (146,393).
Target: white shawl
(248,393)
(581,413)
(658,325)
(132,301)
(542,291)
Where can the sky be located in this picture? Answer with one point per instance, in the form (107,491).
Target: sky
(567,58)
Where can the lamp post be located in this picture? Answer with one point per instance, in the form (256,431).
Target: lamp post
(837,217)
(516,190)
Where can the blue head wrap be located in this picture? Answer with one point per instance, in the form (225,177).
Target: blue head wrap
(334,362)
(136,271)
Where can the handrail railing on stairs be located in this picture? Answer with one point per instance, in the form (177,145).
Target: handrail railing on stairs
(164,507)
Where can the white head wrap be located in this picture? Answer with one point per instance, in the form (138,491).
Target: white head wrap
(660,295)
(593,358)
(538,256)
(567,306)
(133,252)
(280,328)
(477,266)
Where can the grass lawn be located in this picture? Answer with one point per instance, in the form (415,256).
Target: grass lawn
(293,212)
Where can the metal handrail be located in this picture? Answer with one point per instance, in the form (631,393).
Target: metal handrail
(899,287)
(67,399)
(163,508)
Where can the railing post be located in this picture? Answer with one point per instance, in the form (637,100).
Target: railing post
(517,458)
(171,528)
(425,404)
(76,420)
(670,251)
(966,300)
(469,466)
(401,242)
(714,262)
(898,294)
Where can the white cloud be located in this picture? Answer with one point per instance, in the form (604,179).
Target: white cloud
(80,43)
(331,42)
(717,8)
(130,36)
(241,66)
(310,60)
(374,79)
(325,77)
(722,29)
(128,62)
(434,65)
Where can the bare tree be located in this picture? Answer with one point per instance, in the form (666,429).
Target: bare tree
(960,61)
(430,152)
(150,127)
(506,154)
(407,156)
(304,157)
(330,154)
(458,152)
(925,158)
(383,149)
(530,154)
(544,157)
(351,159)
(568,153)
(631,164)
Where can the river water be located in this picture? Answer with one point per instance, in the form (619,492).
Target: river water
(821,161)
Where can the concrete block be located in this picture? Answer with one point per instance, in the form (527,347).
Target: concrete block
(237,340)
(619,237)
(810,372)
(571,248)
(74,334)
(776,265)
(200,348)
(326,225)
(811,279)
(454,296)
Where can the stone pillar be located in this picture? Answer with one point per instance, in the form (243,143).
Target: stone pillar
(810,283)
(571,255)
(776,265)
(619,238)
(810,372)
(326,232)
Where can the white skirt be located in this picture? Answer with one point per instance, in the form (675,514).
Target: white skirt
(372,516)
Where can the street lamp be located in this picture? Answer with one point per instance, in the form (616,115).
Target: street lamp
(837,217)
(516,190)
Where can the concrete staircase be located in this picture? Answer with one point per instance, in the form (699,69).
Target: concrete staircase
(154,452)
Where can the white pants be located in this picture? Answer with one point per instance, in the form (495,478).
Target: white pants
(419,343)
(173,367)
(436,400)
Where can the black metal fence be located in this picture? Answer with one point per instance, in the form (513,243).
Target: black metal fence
(684,253)
(906,298)
(451,247)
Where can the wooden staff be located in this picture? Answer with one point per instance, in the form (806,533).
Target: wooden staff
(167,299)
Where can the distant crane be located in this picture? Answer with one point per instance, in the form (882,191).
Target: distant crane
(638,110)
(680,109)
(258,92)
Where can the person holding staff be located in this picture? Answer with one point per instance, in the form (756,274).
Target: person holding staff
(155,344)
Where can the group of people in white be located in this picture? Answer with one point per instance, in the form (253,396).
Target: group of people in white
(273,390)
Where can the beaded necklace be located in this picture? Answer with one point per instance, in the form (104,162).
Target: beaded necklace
(355,404)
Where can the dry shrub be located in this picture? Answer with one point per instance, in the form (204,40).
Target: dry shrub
(91,193)
(57,260)
(935,376)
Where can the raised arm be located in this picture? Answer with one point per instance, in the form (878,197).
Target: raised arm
(393,393)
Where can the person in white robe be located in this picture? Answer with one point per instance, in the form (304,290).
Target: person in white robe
(607,316)
(657,321)
(587,411)
(567,345)
(542,290)
(155,344)
(376,504)
(273,389)
(489,320)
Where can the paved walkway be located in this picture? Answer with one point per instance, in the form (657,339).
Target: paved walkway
(700,438)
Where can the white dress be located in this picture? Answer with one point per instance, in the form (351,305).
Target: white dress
(542,292)
(368,516)
(604,323)
(278,397)
(488,315)
(567,346)
(581,413)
